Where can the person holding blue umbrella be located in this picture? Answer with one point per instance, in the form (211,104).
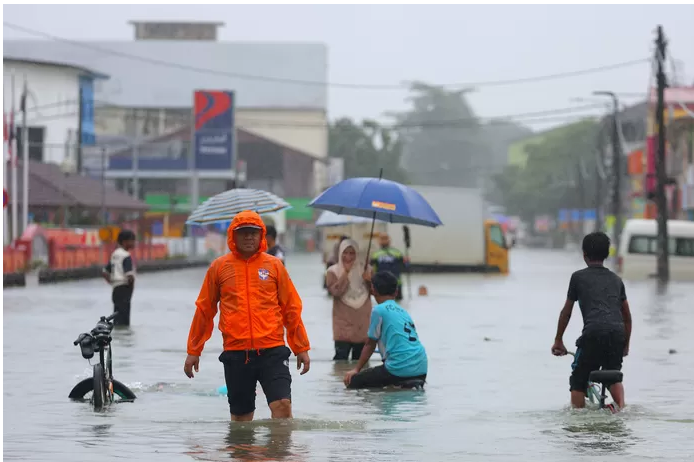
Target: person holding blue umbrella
(378,199)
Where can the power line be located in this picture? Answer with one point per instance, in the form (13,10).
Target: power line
(541,117)
(488,83)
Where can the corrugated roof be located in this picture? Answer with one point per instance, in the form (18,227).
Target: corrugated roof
(34,52)
(49,187)
(136,81)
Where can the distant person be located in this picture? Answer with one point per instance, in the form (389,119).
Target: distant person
(120,273)
(333,257)
(393,331)
(349,285)
(606,321)
(257,303)
(389,259)
(274,248)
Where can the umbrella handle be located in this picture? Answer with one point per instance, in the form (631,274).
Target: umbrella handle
(371,236)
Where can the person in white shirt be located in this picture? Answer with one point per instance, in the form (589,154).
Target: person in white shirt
(120,273)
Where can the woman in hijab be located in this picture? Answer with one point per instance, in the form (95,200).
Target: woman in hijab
(349,285)
(333,259)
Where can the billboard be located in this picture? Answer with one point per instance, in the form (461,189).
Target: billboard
(86,89)
(213,132)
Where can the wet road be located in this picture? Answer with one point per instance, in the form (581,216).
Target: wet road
(500,399)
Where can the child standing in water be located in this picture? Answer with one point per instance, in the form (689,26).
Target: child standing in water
(120,273)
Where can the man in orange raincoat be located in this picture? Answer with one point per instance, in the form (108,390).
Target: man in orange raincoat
(257,301)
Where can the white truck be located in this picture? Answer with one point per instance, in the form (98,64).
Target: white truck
(468,240)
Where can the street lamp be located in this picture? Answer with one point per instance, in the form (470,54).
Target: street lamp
(617,168)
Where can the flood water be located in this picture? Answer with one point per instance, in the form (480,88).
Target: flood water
(494,393)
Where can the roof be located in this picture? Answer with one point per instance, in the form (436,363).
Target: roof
(50,187)
(29,52)
(140,76)
(676,228)
(122,146)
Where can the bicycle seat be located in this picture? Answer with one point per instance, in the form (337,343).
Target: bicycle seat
(606,377)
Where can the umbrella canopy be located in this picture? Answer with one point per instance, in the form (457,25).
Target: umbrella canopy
(328,218)
(224,206)
(383,200)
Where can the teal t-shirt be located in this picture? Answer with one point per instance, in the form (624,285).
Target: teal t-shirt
(398,342)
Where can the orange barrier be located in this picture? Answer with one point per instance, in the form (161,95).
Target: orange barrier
(14,260)
(61,257)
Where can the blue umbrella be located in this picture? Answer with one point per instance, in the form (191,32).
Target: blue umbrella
(377,199)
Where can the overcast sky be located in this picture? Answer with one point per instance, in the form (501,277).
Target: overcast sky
(438,44)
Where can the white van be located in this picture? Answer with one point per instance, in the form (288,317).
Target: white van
(638,249)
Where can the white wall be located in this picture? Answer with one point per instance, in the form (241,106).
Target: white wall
(53,103)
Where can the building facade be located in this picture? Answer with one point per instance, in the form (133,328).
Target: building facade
(52,103)
(279,88)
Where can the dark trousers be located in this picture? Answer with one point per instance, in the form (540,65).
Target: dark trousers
(342,350)
(121,303)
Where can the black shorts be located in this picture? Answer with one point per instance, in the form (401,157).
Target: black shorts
(600,350)
(379,377)
(244,369)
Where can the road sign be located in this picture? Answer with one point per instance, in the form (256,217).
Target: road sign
(109,234)
(5,198)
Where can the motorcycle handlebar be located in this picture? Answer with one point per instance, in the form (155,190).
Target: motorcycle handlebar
(112,317)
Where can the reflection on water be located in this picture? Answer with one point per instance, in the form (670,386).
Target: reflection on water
(255,442)
(499,400)
(394,404)
(594,433)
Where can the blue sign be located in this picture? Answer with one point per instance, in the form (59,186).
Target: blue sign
(213,133)
(86,89)
(575,215)
(222,227)
(589,214)
(563,216)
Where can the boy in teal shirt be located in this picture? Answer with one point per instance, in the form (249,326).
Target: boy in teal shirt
(393,331)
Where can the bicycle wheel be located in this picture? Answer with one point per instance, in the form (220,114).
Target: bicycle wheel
(119,389)
(99,387)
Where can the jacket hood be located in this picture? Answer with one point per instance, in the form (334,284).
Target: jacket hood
(246,217)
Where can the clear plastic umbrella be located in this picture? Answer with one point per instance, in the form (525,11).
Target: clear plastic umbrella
(224,206)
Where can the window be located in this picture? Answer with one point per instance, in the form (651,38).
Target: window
(36,135)
(684,247)
(497,236)
(641,245)
(648,245)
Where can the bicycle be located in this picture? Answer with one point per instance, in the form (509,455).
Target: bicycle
(103,387)
(595,393)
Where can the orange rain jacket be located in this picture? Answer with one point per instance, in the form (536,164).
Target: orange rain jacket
(257,300)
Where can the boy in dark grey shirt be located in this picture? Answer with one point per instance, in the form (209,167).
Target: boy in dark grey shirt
(606,320)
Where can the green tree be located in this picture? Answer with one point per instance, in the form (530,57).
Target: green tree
(444,143)
(366,148)
(559,173)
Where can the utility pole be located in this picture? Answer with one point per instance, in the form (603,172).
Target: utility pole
(13,166)
(25,156)
(663,268)
(616,169)
(103,220)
